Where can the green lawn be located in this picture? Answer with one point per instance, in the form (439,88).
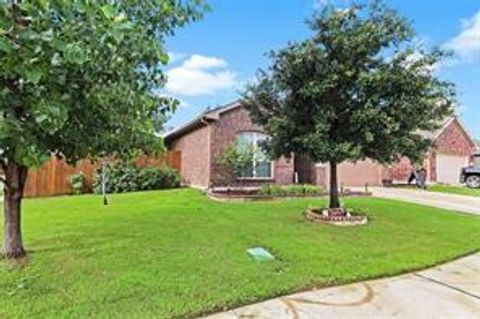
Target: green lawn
(176,254)
(449,189)
(459,190)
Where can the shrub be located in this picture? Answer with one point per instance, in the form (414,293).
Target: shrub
(273,190)
(313,189)
(295,189)
(77,183)
(290,190)
(234,159)
(123,178)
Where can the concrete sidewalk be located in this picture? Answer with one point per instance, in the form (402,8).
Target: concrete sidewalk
(448,291)
(467,204)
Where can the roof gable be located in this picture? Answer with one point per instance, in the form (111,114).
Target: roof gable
(454,139)
(200,120)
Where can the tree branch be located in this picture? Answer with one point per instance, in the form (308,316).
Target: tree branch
(3,165)
(5,184)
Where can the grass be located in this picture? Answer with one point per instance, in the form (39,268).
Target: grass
(176,254)
(449,189)
(459,190)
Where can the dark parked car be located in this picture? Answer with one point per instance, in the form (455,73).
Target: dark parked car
(471,175)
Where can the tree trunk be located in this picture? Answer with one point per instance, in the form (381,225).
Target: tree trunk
(15,177)
(334,198)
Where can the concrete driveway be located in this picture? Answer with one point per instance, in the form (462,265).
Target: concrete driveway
(448,291)
(467,204)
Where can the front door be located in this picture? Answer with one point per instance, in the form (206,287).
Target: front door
(304,169)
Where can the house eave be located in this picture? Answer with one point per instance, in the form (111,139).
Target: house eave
(194,124)
(203,119)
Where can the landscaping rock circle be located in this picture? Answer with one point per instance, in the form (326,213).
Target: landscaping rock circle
(319,216)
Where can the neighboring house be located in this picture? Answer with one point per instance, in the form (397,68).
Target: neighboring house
(453,149)
(202,141)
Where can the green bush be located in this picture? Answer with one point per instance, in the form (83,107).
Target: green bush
(273,190)
(77,183)
(123,178)
(290,190)
(313,189)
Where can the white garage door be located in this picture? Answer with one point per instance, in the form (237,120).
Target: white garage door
(448,168)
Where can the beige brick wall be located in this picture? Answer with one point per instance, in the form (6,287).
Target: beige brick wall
(352,174)
(195,148)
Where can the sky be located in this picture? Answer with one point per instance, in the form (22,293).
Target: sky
(211,60)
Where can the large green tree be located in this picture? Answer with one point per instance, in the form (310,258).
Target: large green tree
(359,88)
(78,79)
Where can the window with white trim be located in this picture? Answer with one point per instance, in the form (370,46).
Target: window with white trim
(261,166)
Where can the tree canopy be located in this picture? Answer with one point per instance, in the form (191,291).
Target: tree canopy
(79,79)
(359,87)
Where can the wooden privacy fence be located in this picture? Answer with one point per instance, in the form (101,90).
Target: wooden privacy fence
(52,178)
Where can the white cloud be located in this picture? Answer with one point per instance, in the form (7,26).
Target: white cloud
(200,75)
(466,45)
(197,61)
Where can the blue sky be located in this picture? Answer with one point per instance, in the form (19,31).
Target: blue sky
(212,59)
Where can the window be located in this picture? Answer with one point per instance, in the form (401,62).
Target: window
(261,166)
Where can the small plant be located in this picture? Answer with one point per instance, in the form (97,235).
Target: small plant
(235,159)
(273,190)
(77,183)
(265,189)
(295,189)
(312,189)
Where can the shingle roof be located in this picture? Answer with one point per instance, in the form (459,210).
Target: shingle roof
(202,118)
(435,133)
(213,114)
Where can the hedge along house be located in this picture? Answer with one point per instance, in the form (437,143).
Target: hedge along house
(203,140)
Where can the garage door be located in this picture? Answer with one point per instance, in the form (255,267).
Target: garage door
(448,168)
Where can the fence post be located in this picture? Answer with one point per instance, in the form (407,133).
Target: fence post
(104,186)
(53,173)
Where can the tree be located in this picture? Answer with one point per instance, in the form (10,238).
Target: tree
(235,159)
(78,81)
(358,88)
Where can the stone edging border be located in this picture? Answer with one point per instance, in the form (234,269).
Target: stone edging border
(354,220)
(246,198)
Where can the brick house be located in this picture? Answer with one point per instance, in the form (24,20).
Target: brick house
(202,141)
(453,149)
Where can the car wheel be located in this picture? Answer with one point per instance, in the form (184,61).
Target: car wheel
(473,181)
